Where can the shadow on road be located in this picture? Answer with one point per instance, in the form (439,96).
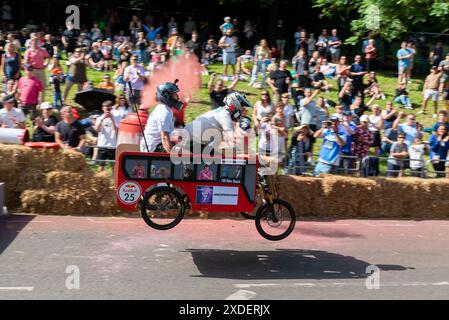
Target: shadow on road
(281,264)
(9,230)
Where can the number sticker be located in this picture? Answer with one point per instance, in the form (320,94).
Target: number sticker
(129,192)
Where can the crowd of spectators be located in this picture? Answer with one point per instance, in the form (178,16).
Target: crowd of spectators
(292,103)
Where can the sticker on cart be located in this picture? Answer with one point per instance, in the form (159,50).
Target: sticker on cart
(217,195)
(129,192)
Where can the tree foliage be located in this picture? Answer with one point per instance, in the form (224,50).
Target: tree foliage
(388,18)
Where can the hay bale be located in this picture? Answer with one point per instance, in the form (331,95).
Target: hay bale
(84,180)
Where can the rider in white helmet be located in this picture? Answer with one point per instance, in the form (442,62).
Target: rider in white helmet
(221,120)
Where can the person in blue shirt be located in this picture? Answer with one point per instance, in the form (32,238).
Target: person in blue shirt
(404,61)
(348,127)
(439,146)
(151,32)
(333,141)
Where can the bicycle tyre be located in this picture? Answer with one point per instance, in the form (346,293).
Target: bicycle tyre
(261,215)
(248,215)
(146,206)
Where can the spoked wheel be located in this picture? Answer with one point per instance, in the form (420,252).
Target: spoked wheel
(162,208)
(275,221)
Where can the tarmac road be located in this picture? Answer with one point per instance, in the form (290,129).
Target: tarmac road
(121,258)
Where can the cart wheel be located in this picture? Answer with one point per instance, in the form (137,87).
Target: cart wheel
(275,221)
(162,208)
(247,215)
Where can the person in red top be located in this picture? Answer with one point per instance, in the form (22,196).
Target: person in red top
(36,57)
(371,55)
(31,92)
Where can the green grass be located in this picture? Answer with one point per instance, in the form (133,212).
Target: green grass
(200,101)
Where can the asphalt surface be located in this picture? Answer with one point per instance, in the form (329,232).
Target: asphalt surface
(120,258)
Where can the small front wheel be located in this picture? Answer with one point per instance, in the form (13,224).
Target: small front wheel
(275,221)
(162,208)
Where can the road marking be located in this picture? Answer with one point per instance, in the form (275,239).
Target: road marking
(249,285)
(17,288)
(242,295)
(31,221)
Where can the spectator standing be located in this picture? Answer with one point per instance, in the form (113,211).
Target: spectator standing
(227,25)
(348,127)
(194,46)
(308,111)
(121,109)
(396,159)
(44,127)
(56,80)
(333,141)
(404,57)
(31,92)
(335,46)
(135,26)
(228,43)
(409,128)
(70,38)
(301,148)
(280,80)
(443,66)
(436,55)
(439,146)
(11,63)
(189,27)
(10,116)
(357,72)
(363,138)
(288,111)
(416,154)
(261,55)
(300,67)
(430,90)
(280,34)
(311,45)
(342,72)
(263,110)
(37,58)
(172,24)
(135,75)
(322,43)
(69,132)
(389,115)
(106,127)
(371,56)
(375,126)
(76,72)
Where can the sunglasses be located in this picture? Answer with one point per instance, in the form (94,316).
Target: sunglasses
(264,94)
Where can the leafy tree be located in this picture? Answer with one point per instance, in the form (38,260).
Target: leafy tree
(388,18)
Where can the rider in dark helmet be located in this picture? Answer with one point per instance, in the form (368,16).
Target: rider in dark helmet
(160,123)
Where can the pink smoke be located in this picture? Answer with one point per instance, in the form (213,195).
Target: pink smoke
(185,68)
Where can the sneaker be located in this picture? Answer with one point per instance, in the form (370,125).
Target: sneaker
(408,107)
(434,115)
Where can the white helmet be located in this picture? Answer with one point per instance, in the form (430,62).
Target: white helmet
(234,103)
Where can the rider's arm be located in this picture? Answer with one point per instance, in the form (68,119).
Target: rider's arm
(165,136)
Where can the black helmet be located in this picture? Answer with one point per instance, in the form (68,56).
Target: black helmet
(164,94)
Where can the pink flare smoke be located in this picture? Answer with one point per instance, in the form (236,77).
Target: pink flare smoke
(185,68)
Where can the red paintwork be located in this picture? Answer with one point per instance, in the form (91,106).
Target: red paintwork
(189,187)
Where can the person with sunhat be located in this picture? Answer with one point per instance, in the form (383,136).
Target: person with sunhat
(45,126)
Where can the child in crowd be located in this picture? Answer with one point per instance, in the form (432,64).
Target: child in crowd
(416,153)
(56,79)
(245,63)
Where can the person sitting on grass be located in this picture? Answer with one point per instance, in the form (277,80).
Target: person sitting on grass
(372,87)
(401,96)
(95,58)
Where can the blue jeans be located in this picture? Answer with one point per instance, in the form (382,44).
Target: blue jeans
(322,168)
(404,100)
(259,67)
(57,97)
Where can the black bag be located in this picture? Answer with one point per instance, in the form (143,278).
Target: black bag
(370,166)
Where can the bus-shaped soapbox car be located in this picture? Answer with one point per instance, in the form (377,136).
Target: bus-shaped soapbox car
(164,189)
